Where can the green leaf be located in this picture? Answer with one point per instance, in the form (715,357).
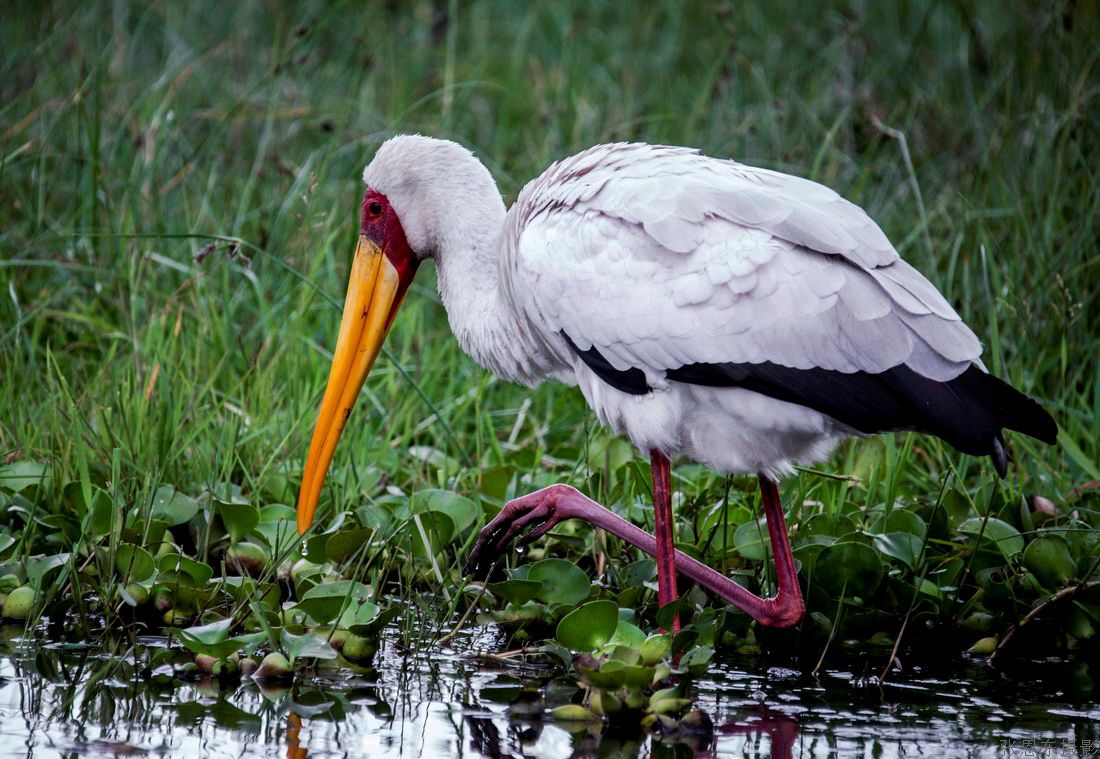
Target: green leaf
(199,573)
(563,582)
(310,646)
(751,540)
(100,513)
(360,617)
(22,475)
(900,520)
(239,519)
(903,546)
(173,507)
(38,567)
(438,528)
(212,639)
(341,546)
(515,592)
(696,661)
(850,567)
(462,511)
(134,562)
(1049,559)
(588,627)
(638,572)
(628,635)
(326,601)
(1004,536)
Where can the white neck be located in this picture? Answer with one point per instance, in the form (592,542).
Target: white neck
(452,211)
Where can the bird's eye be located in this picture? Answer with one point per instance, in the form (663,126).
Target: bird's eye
(375,208)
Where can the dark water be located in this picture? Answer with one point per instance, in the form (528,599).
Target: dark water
(64,700)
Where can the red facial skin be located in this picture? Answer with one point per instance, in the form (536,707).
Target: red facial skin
(379,223)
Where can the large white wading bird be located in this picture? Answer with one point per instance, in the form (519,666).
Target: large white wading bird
(736,316)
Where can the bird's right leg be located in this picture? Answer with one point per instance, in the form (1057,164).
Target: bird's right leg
(542,510)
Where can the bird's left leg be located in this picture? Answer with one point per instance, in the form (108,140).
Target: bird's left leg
(540,511)
(662,528)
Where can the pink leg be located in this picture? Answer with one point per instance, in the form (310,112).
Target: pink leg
(662,527)
(542,510)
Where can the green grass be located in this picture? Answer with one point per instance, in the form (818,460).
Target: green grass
(178,203)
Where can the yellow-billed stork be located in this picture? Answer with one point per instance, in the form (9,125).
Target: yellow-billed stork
(740,317)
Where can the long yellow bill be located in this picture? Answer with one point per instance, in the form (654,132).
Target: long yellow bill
(372,289)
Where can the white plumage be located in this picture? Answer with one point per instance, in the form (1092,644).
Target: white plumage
(658,258)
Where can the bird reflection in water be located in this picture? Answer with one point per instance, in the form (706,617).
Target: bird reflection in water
(700,740)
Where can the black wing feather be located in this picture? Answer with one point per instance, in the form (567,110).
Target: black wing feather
(968,411)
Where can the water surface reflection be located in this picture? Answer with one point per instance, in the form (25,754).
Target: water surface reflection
(66,700)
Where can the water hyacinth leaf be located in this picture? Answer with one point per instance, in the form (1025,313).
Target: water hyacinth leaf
(280,536)
(462,511)
(199,572)
(212,639)
(276,512)
(436,527)
(100,512)
(326,601)
(824,528)
(903,546)
(38,567)
(607,674)
(344,544)
(315,548)
(1004,536)
(900,520)
(637,675)
(588,627)
(696,660)
(515,592)
(1048,558)
(627,635)
(360,617)
(173,507)
(23,475)
(239,519)
(309,646)
(848,567)
(134,562)
(751,540)
(496,481)
(563,582)
(638,572)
